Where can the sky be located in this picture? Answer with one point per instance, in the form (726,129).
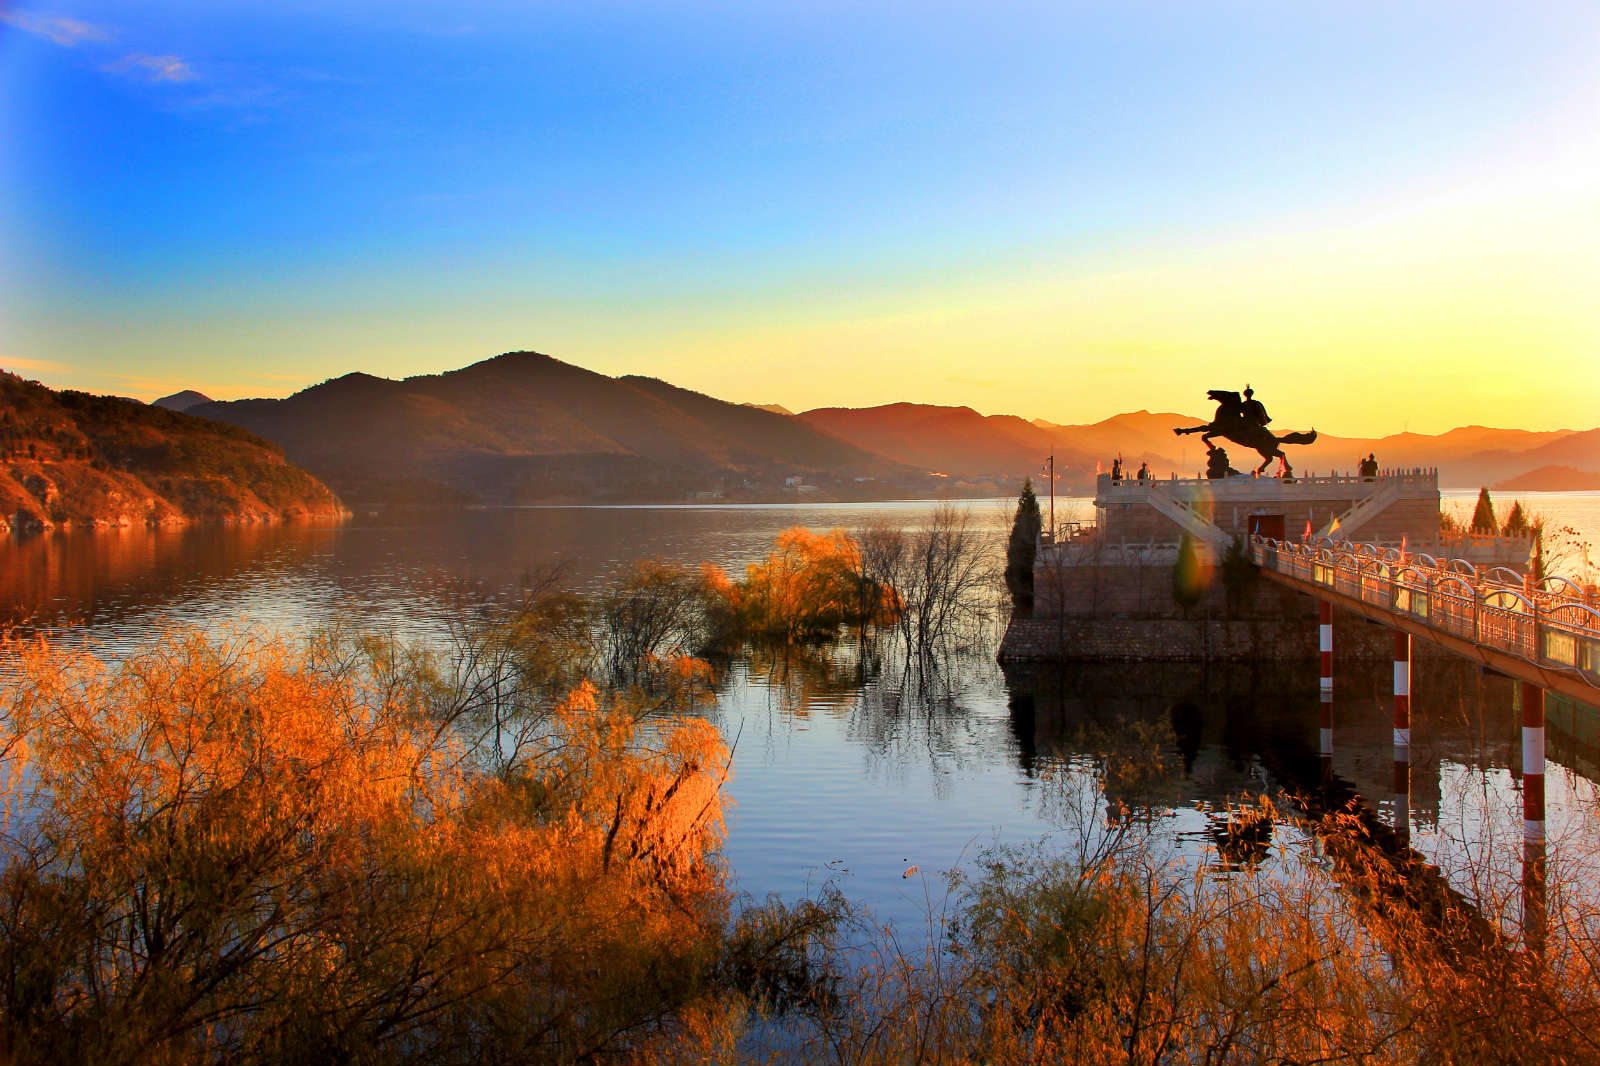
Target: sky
(1382,216)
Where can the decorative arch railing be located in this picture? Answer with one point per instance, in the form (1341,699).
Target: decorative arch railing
(1553,622)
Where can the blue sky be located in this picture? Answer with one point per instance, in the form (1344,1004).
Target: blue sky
(1054,210)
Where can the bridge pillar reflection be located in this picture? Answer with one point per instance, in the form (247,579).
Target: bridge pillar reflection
(1534,916)
(1402,736)
(1325,687)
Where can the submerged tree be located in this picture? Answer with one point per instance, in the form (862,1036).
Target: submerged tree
(808,586)
(942,579)
(1021,548)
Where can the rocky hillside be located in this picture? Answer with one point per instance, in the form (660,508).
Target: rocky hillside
(69,460)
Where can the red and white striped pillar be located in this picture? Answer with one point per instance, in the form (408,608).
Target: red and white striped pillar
(1532,761)
(1402,735)
(1533,838)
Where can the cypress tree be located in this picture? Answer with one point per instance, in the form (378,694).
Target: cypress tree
(1516,521)
(1483,515)
(1021,548)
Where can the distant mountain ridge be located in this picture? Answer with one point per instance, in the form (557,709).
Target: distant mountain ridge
(1553,479)
(181,401)
(524,426)
(962,443)
(69,460)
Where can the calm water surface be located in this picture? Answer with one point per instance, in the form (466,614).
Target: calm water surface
(838,777)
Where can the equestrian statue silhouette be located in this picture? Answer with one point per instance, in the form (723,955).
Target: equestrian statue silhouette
(1243,420)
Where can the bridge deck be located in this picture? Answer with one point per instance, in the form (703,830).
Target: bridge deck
(1547,633)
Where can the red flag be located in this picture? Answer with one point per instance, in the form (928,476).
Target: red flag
(1402,547)
(1307,534)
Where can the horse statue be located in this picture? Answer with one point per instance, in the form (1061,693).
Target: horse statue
(1233,421)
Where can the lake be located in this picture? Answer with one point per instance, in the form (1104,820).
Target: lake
(838,776)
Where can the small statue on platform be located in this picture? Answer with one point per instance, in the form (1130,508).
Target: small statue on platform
(1217,463)
(1243,420)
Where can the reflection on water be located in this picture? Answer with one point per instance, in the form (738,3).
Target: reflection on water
(1217,735)
(390,572)
(840,772)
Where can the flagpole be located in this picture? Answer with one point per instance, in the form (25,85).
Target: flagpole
(1052,494)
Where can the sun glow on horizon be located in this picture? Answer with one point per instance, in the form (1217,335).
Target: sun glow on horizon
(819,211)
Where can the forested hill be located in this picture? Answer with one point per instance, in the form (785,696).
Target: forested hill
(69,460)
(524,426)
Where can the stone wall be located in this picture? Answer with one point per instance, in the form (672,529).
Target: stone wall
(1290,636)
(1139,523)
(1126,613)
(1116,590)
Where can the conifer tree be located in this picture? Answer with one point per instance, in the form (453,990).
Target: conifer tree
(1483,515)
(1516,521)
(1021,548)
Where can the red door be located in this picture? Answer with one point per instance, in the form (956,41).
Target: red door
(1267,525)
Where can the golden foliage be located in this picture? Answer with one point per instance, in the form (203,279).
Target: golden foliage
(1119,953)
(807,586)
(229,849)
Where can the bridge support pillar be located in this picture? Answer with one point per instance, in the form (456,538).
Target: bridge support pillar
(1534,916)
(1402,736)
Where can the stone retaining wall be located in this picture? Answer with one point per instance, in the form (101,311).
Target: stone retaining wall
(1289,635)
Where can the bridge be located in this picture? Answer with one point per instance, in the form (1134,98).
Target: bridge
(1544,632)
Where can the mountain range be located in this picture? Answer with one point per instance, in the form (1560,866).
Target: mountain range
(966,444)
(525,427)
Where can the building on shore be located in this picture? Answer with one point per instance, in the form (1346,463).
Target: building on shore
(1162,573)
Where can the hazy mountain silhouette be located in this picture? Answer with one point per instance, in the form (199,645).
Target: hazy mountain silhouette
(961,442)
(181,401)
(524,426)
(1552,479)
(955,441)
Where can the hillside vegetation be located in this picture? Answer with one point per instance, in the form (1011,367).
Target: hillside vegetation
(69,460)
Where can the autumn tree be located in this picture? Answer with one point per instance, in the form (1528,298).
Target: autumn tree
(807,586)
(245,850)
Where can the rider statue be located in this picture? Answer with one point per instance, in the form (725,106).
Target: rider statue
(1244,421)
(1252,409)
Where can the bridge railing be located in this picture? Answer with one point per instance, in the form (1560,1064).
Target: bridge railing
(1551,623)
